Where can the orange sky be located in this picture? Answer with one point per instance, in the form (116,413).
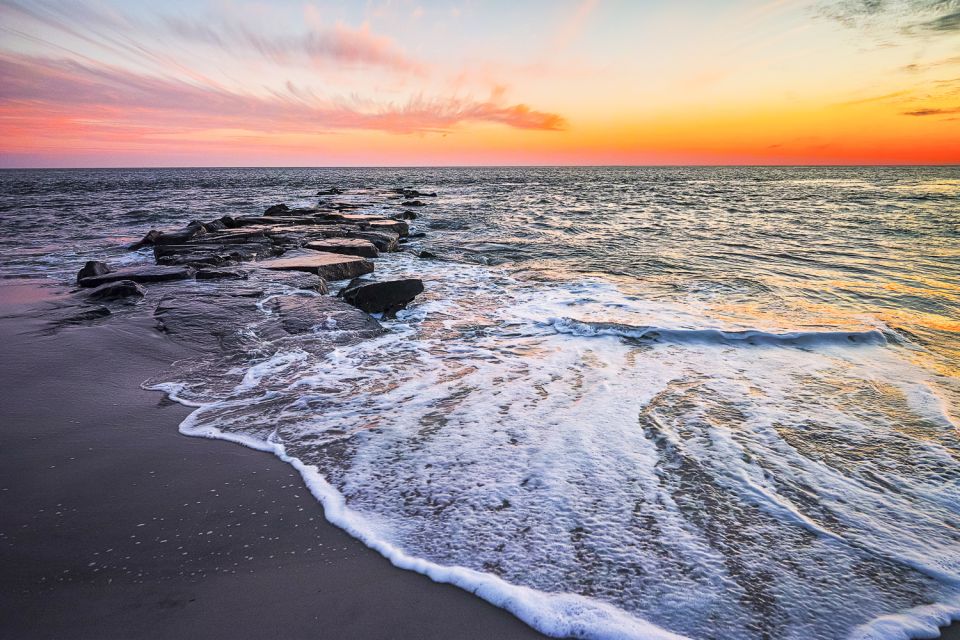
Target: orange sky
(228,83)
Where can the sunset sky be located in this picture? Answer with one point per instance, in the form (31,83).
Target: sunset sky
(237,83)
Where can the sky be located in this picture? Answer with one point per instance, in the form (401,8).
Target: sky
(105,83)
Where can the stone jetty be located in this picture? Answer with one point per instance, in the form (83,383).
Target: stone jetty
(265,276)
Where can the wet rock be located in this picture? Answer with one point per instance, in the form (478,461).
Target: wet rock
(406,215)
(329,266)
(292,279)
(180,236)
(413,193)
(140,274)
(384,241)
(147,240)
(214,226)
(91,269)
(86,315)
(427,255)
(418,234)
(119,290)
(386,297)
(212,254)
(302,314)
(235,323)
(414,203)
(398,227)
(332,191)
(346,246)
(275,209)
(224,274)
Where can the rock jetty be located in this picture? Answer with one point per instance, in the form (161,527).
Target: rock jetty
(215,284)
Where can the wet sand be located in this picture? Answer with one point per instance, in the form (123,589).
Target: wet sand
(116,526)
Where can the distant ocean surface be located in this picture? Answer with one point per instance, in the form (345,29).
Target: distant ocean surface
(633,402)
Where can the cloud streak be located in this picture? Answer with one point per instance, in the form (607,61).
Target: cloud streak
(932,112)
(67,90)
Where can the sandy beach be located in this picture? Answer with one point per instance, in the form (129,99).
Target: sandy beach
(117,526)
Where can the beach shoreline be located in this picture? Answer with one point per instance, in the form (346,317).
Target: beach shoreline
(116,525)
(119,526)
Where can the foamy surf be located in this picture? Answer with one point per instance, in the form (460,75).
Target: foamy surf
(615,488)
(749,337)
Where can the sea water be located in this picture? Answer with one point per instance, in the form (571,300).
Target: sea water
(632,402)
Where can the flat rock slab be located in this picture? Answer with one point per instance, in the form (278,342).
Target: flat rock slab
(141,274)
(213,322)
(329,266)
(346,246)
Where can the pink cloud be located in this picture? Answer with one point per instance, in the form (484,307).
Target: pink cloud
(101,97)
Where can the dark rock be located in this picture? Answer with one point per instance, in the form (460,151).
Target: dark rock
(414,203)
(211,274)
(346,246)
(384,241)
(229,222)
(413,193)
(118,290)
(275,209)
(91,269)
(332,191)
(87,315)
(418,234)
(302,314)
(235,323)
(147,240)
(329,266)
(139,274)
(180,236)
(427,255)
(214,225)
(406,215)
(383,297)
(289,279)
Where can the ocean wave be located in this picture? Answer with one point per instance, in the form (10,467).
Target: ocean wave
(751,337)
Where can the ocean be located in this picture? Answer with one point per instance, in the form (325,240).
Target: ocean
(632,402)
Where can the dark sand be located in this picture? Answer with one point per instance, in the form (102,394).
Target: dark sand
(116,526)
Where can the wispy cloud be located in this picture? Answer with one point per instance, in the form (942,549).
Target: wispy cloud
(67,89)
(933,112)
(916,18)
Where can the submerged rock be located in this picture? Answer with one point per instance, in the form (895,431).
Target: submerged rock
(91,269)
(332,191)
(140,274)
(119,290)
(346,246)
(414,203)
(329,266)
(386,297)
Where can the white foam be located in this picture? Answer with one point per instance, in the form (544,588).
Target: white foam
(613,488)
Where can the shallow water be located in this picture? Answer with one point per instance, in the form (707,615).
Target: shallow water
(632,402)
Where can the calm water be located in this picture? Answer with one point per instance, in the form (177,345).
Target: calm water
(711,402)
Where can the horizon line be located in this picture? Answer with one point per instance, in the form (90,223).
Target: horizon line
(494,166)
